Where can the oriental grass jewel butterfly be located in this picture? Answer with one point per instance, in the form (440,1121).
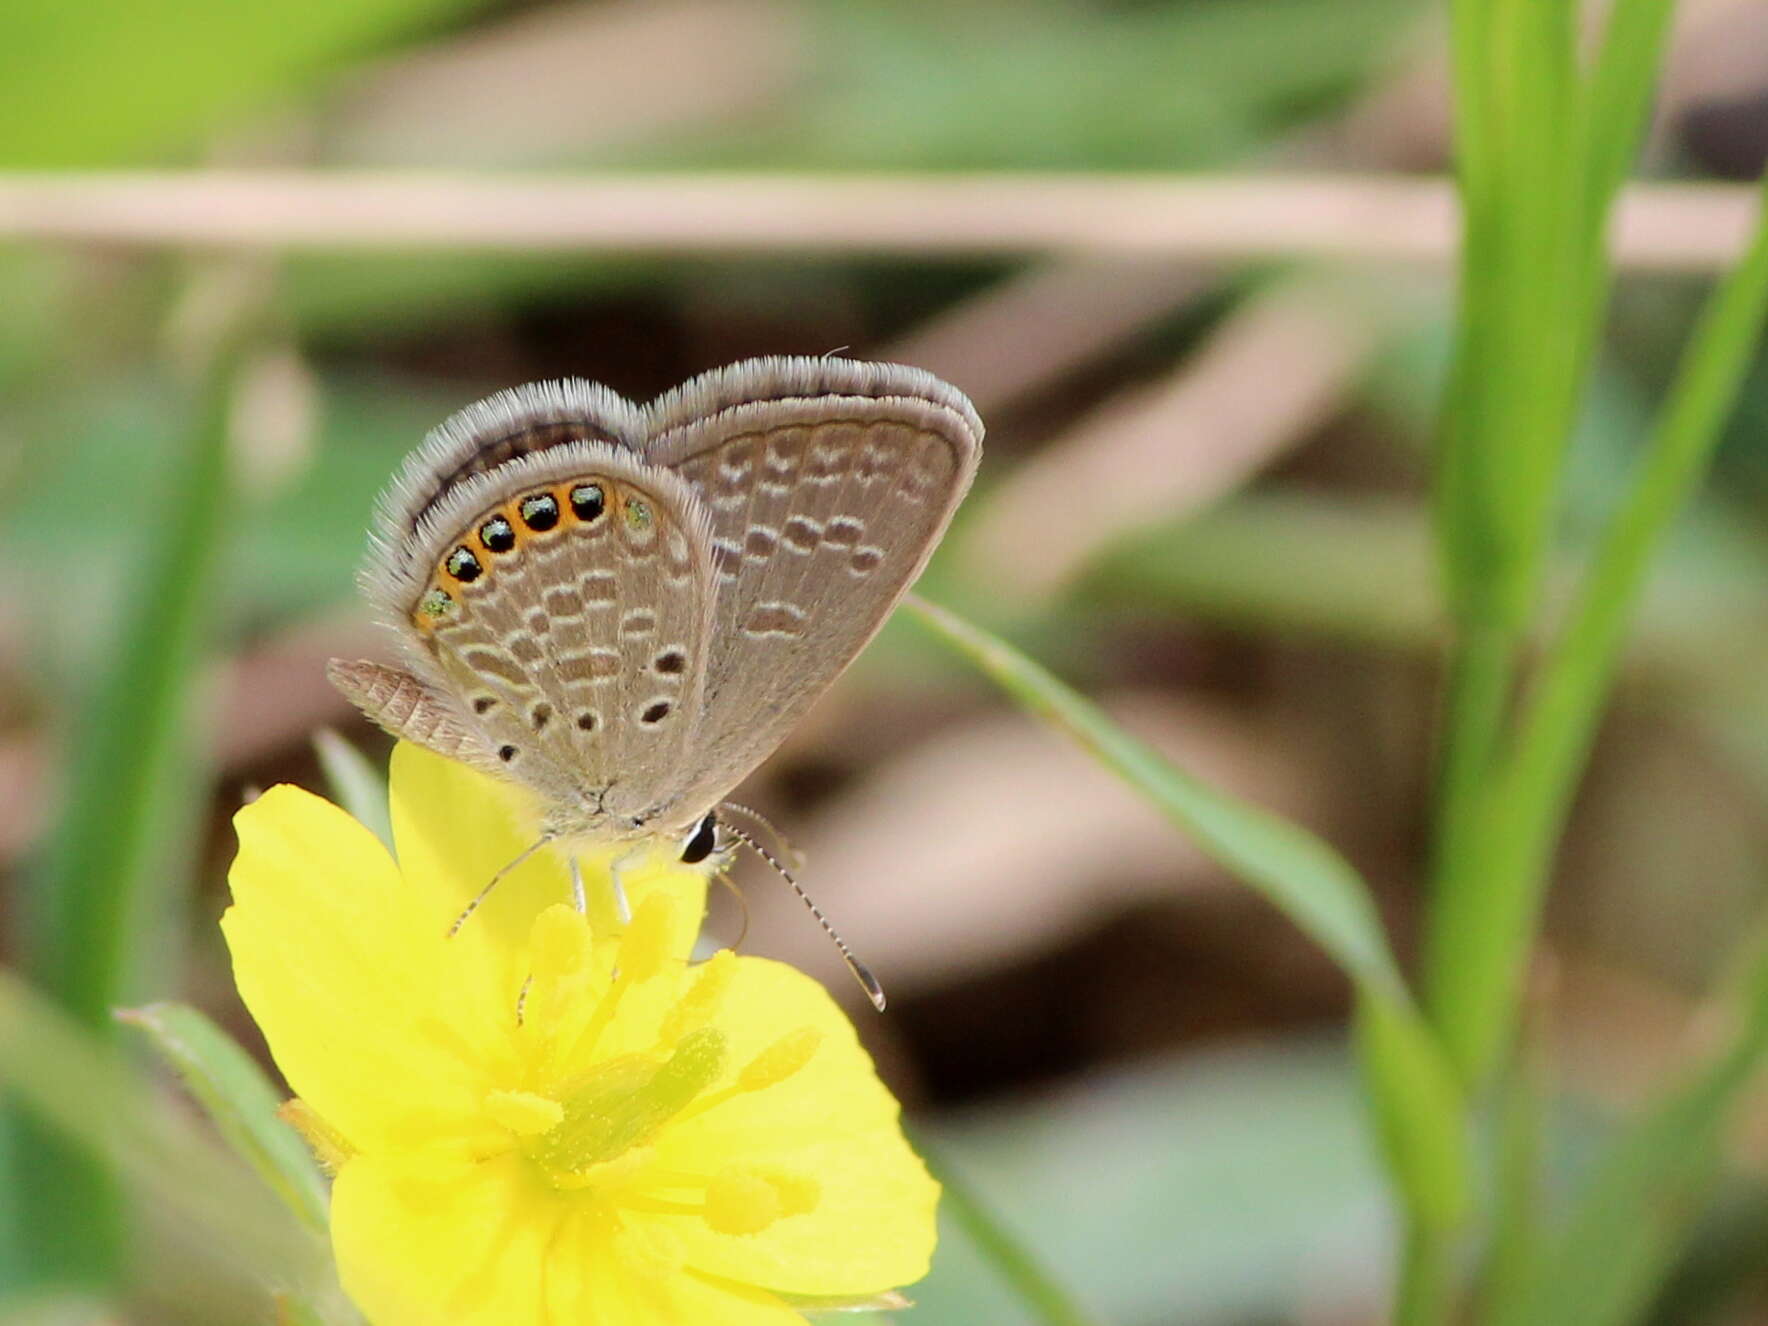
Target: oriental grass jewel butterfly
(625,608)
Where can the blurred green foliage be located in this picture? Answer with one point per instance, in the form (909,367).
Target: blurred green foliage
(112,82)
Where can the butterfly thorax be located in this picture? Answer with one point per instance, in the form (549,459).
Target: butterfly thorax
(603,821)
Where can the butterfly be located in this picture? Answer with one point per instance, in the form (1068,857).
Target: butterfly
(625,608)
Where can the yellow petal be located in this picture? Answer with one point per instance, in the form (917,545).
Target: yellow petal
(489,1246)
(832,1121)
(472,1247)
(454,828)
(634,1278)
(353,990)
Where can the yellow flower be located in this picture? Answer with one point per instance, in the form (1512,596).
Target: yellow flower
(537,1121)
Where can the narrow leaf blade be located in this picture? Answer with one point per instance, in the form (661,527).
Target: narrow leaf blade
(1413,1092)
(236,1095)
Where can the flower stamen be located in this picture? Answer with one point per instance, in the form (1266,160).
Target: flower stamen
(331,1149)
(644,948)
(623,1103)
(524,1113)
(743,1199)
(779,1061)
(699,1005)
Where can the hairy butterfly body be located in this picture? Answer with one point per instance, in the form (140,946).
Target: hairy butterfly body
(625,608)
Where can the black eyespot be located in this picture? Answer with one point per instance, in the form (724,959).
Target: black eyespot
(587,501)
(463,566)
(540,511)
(671,661)
(701,841)
(483,704)
(497,534)
(587,720)
(506,753)
(540,715)
(656,713)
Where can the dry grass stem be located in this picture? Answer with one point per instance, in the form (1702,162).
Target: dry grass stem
(1666,227)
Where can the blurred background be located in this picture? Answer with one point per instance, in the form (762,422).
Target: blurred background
(1208,352)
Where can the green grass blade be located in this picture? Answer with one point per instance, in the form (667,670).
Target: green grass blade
(1479,971)
(1513,390)
(236,1095)
(1417,1107)
(1502,438)
(1518,1199)
(356,785)
(1412,1091)
(1301,875)
(1617,100)
(1535,284)
(1635,1211)
(131,796)
(1562,714)
(133,741)
(1044,1297)
(74,1082)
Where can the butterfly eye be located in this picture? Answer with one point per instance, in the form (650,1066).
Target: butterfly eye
(701,841)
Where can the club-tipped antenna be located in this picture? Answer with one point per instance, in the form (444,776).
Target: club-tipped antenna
(787,852)
(485,892)
(861,972)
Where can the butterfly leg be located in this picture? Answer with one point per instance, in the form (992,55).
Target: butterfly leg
(622,905)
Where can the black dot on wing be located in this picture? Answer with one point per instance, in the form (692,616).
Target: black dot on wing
(506,753)
(588,501)
(462,565)
(540,512)
(483,704)
(671,661)
(497,534)
(587,720)
(540,715)
(655,713)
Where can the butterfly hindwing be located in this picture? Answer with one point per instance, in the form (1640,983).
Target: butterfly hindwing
(568,608)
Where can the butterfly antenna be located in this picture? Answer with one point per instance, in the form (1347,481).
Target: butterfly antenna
(788,853)
(861,972)
(485,892)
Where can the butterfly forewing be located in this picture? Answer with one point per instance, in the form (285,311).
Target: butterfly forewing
(827,483)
